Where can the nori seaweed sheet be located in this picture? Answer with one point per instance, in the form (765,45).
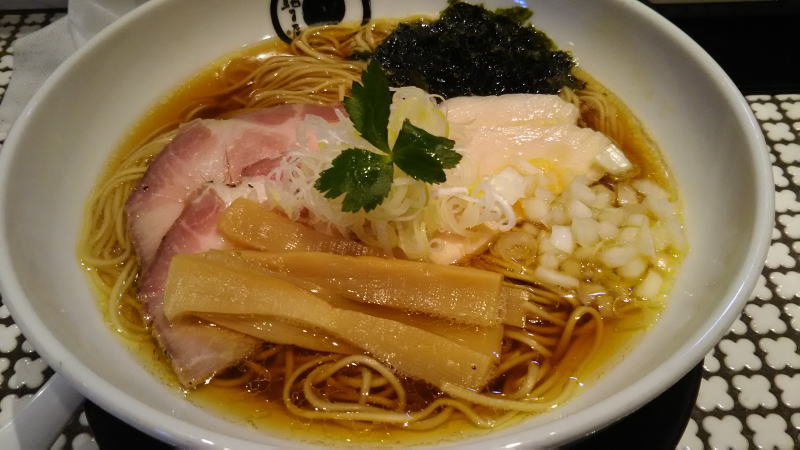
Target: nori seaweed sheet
(472,51)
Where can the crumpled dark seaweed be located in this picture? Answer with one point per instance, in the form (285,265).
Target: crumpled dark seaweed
(473,51)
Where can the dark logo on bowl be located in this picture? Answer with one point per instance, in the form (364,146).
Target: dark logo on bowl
(291,16)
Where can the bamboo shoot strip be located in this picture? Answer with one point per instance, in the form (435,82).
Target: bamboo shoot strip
(278,332)
(249,224)
(196,285)
(485,340)
(461,294)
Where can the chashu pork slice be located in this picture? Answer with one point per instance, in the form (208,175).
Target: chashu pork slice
(176,208)
(209,152)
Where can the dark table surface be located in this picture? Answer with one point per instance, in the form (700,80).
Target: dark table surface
(755,42)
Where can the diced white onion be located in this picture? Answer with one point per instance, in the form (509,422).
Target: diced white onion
(526,168)
(558,216)
(510,185)
(646,245)
(545,245)
(532,185)
(553,179)
(613,160)
(634,208)
(649,189)
(618,256)
(607,230)
(530,228)
(545,195)
(626,195)
(636,220)
(594,174)
(660,207)
(535,209)
(602,197)
(561,238)
(555,277)
(578,210)
(676,234)
(660,236)
(650,286)
(613,216)
(626,229)
(549,260)
(633,269)
(585,232)
(580,191)
(628,235)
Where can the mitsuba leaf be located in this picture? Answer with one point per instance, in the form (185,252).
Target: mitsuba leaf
(363,176)
(422,155)
(368,106)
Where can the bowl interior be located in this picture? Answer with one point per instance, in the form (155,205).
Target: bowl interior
(60,144)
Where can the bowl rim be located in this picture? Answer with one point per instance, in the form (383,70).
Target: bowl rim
(165,426)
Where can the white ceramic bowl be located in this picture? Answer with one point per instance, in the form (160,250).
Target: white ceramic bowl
(58,146)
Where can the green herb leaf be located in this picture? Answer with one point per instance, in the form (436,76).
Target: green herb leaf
(363,176)
(422,155)
(369,106)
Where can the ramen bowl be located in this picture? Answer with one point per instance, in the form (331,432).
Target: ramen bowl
(60,143)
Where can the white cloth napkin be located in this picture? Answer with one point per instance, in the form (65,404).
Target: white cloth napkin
(38,54)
